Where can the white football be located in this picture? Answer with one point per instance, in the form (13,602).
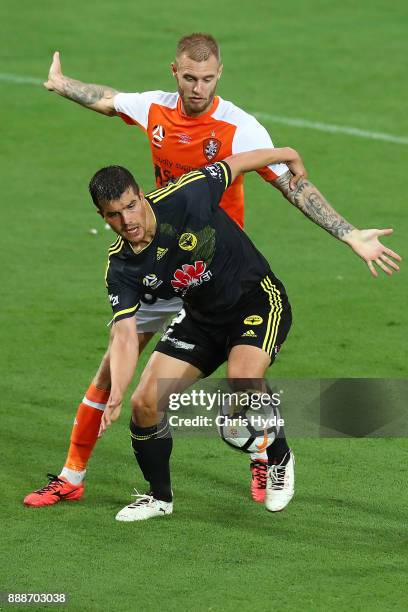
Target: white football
(248,429)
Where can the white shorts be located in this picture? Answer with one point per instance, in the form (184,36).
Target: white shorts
(153,317)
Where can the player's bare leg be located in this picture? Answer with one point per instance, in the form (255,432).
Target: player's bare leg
(250,362)
(68,486)
(87,422)
(150,433)
(273,473)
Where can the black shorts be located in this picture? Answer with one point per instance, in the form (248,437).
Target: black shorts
(262,318)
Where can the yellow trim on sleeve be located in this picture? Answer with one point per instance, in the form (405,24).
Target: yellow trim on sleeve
(125,311)
(226,174)
(168,187)
(115,244)
(106,272)
(116,248)
(169,191)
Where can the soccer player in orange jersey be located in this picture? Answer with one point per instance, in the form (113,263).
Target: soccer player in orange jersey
(185,130)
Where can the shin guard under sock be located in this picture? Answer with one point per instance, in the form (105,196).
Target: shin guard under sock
(86,428)
(152,447)
(278,449)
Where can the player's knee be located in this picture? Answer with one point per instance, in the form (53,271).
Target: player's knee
(237,370)
(247,362)
(144,410)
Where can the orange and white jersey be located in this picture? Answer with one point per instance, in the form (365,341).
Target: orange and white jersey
(180,143)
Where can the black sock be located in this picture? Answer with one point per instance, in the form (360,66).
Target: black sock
(278,449)
(152,447)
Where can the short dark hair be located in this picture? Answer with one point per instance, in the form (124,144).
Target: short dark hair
(198,47)
(110,183)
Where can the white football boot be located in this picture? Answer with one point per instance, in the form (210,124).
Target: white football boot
(145,507)
(280,485)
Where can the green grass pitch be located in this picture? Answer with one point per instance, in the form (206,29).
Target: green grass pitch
(342,543)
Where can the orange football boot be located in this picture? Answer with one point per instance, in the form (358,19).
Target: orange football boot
(259,470)
(58,489)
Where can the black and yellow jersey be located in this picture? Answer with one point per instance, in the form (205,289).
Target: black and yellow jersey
(198,253)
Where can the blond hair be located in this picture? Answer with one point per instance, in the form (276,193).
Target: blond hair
(198,47)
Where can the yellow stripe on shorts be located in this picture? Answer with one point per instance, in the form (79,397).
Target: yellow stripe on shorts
(274,317)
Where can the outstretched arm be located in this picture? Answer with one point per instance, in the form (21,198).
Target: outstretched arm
(96,97)
(308,199)
(253,160)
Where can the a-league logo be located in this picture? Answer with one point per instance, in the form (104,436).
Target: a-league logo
(158,134)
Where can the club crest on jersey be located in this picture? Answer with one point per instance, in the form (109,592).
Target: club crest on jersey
(190,275)
(253,320)
(158,134)
(211,146)
(188,241)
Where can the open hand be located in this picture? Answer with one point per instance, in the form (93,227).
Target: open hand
(55,73)
(366,244)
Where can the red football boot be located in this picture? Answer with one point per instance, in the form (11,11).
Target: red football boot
(259,470)
(58,489)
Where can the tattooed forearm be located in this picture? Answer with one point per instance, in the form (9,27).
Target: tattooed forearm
(97,97)
(282,183)
(82,93)
(314,205)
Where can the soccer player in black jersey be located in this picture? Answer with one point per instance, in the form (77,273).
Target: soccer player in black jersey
(177,241)
(172,120)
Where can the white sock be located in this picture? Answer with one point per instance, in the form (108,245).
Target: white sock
(73,476)
(259,456)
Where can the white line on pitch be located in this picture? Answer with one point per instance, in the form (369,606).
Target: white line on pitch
(21,80)
(328,127)
(302,123)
